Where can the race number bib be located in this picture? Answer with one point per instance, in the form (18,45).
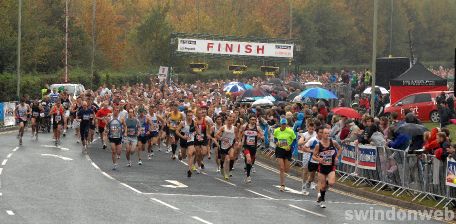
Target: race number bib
(131,131)
(155,127)
(35,114)
(250,140)
(173,124)
(142,130)
(86,117)
(190,137)
(200,137)
(42,115)
(226,143)
(283,143)
(58,118)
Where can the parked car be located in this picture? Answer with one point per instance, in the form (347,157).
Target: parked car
(423,104)
(74,90)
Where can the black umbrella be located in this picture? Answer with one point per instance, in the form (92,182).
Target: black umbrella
(292,96)
(279,88)
(411,129)
(275,81)
(295,85)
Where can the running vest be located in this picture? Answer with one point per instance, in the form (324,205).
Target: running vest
(143,127)
(115,128)
(202,128)
(22,112)
(328,154)
(174,120)
(132,126)
(228,137)
(58,112)
(251,136)
(66,104)
(188,130)
(155,124)
(35,110)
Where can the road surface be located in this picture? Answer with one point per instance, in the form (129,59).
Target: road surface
(41,183)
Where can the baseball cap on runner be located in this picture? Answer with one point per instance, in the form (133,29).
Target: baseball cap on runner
(283,121)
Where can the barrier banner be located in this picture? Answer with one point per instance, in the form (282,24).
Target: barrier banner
(367,157)
(8,113)
(2,116)
(349,155)
(451,173)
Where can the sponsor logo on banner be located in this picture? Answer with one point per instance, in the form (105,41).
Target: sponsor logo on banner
(349,155)
(8,113)
(451,173)
(235,48)
(367,157)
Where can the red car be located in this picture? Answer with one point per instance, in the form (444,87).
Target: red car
(423,104)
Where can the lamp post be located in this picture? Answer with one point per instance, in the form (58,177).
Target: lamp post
(374,56)
(19,34)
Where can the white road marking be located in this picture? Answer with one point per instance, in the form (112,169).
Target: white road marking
(184,162)
(1,170)
(201,220)
(107,175)
(9,212)
(131,188)
(15,149)
(226,182)
(305,210)
(57,156)
(289,190)
(95,165)
(175,184)
(4,162)
(9,155)
(7,132)
(58,147)
(165,204)
(1,194)
(262,195)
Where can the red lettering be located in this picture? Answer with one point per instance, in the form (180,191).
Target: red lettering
(260,49)
(239,48)
(209,46)
(229,48)
(219,47)
(248,48)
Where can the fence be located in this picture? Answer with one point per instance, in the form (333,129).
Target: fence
(7,114)
(420,176)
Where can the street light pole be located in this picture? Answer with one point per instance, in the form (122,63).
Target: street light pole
(94,13)
(66,41)
(374,57)
(19,34)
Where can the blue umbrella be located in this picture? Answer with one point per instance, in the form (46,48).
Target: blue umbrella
(234,87)
(318,93)
(248,86)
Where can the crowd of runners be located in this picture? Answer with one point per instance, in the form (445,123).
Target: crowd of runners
(190,122)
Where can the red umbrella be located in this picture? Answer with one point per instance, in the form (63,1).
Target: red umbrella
(346,112)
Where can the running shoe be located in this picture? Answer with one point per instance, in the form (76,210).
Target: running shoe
(194,168)
(198,170)
(319,199)
(148,157)
(139,162)
(218,170)
(20,141)
(282,188)
(253,169)
(202,166)
(179,156)
(189,173)
(305,192)
(114,167)
(152,154)
(129,164)
(313,186)
(118,157)
(322,204)
(248,180)
(231,174)
(227,177)
(173,157)
(104,146)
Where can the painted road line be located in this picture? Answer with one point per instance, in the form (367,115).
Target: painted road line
(57,156)
(183,162)
(9,212)
(165,204)
(1,194)
(4,162)
(131,188)
(107,175)
(9,155)
(1,170)
(7,132)
(175,184)
(95,165)
(15,149)
(305,210)
(201,220)
(262,195)
(226,182)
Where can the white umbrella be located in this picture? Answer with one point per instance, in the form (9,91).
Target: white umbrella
(382,90)
(262,102)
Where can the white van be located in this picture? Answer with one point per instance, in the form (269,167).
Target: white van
(74,90)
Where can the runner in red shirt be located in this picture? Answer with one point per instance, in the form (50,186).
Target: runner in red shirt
(101,116)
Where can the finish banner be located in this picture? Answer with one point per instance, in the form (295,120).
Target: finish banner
(235,48)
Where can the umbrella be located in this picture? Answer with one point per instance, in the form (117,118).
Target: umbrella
(411,129)
(255,92)
(275,81)
(262,102)
(279,88)
(292,96)
(378,89)
(248,86)
(295,85)
(233,83)
(318,93)
(301,99)
(346,112)
(267,87)
(234,87)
